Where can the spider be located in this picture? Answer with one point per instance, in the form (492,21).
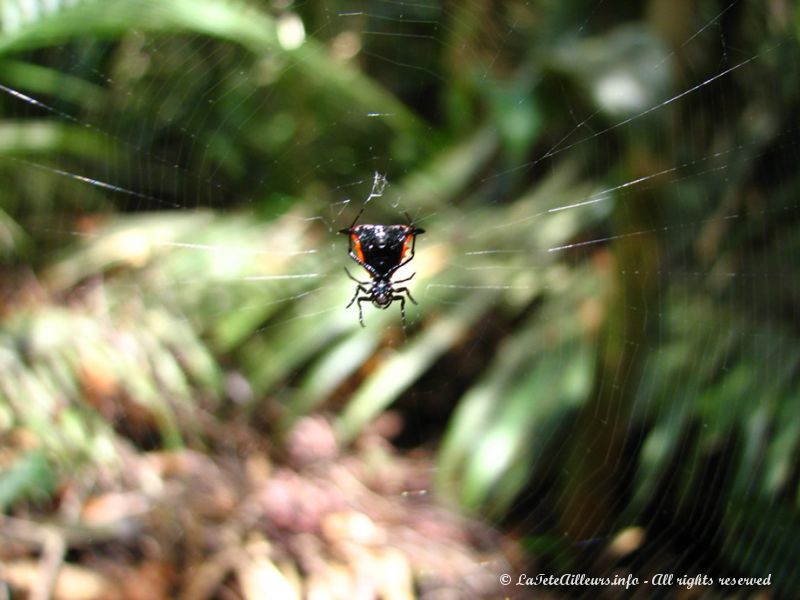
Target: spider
(381,250)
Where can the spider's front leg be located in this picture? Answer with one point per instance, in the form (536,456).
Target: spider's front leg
(405,290)
(409,278)
(360,311)
(402,307)
(360,289)
(358,281)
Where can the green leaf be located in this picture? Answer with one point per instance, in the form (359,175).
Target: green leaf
(30,477)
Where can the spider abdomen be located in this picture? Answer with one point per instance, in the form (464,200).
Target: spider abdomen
(381,249)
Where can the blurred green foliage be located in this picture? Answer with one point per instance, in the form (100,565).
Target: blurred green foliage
(630,361)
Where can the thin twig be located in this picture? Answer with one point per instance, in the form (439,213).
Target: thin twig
(53,551)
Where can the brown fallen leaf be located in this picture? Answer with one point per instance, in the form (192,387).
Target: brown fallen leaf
(73,582)
(259,578)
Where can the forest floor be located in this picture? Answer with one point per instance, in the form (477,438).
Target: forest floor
(238,518)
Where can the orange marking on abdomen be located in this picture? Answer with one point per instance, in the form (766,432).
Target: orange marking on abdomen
(406,245)
(357,247)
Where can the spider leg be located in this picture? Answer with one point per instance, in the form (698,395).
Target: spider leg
(353,299)
(407,291)
(417,230)
(360,311)
(354,279)
(359,289)
(411,252)
(406,279)
(402,309)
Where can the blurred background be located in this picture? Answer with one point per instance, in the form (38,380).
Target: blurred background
(601,374)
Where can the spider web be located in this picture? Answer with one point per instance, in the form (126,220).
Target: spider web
(536,219)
